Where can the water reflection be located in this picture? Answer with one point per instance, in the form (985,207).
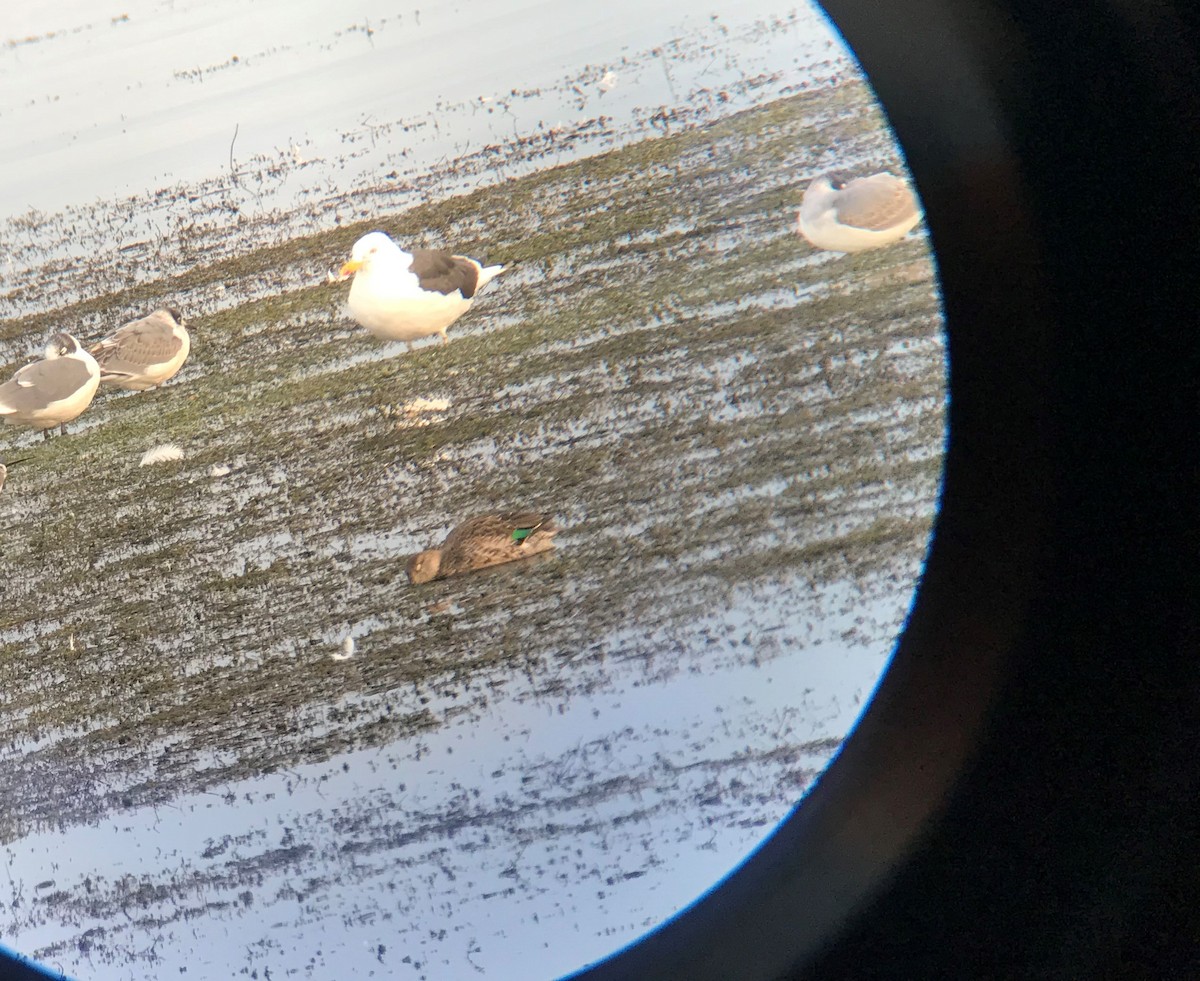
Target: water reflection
(513,772)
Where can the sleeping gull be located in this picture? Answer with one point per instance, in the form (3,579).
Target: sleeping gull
(843,213)
(404,296)
(144,353)
(53,391)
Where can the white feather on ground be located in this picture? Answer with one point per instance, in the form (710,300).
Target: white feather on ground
(425,405)
(166,453)
(410,413)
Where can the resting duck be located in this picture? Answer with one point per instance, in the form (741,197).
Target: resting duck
(484,540)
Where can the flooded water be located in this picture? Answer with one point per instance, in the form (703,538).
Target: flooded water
(514,772)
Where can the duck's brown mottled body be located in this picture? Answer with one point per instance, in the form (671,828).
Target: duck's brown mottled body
(482,541)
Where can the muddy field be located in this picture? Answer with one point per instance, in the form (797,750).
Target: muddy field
(734,430)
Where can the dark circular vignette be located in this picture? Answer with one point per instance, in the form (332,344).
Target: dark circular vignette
(1020,798)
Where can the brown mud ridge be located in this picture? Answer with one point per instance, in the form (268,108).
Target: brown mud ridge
(707,405)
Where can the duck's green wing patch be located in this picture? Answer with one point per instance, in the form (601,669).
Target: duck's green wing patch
(523,524)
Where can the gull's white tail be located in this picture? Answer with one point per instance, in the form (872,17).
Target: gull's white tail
(487,274)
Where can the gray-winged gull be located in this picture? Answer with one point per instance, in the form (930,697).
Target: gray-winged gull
(843,213)
(144,353)
(53,391)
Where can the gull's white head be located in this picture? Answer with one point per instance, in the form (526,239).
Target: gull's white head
(61,345)
(366,252)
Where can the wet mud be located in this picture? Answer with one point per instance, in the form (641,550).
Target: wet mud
(727,424)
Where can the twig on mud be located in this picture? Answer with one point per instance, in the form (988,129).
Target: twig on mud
(232,171)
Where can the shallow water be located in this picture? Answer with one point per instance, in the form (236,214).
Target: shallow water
(511,806)
(515,772)
(272,119)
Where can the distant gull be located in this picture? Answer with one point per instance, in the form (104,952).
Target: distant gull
(53,391)
(484,540)
(144,353)
(347,650)
(404,296)
(843,213)
(607,83)
(166,453)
